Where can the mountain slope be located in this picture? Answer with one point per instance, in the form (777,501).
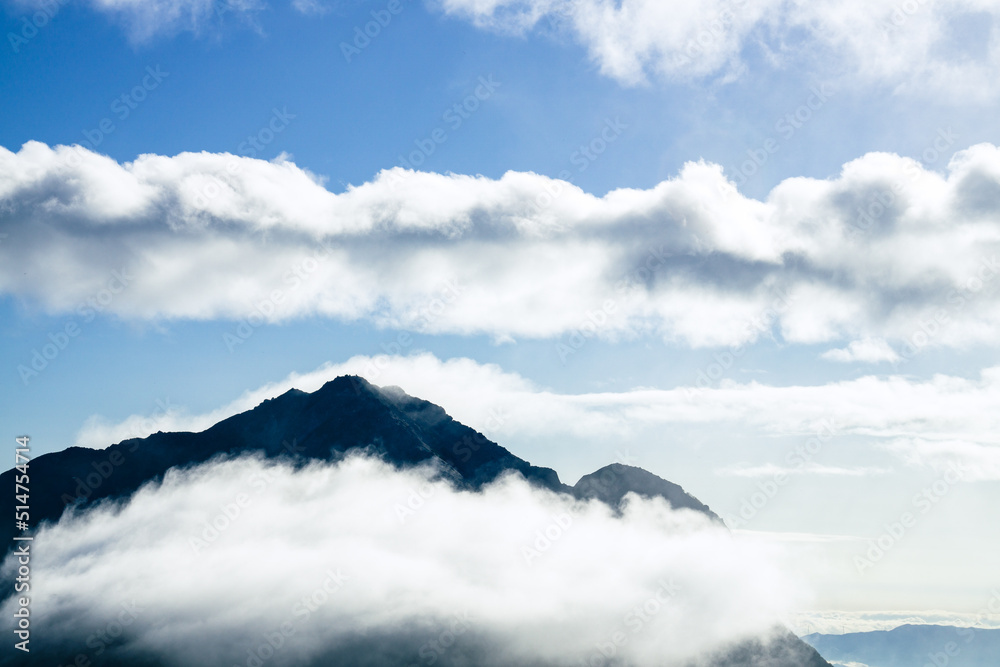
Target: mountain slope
(345,414)
(349,414)
(780,649)
(611,483)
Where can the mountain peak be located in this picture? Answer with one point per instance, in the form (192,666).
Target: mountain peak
(347,413)
(613,482)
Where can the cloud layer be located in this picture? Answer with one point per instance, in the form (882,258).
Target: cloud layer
(913,46)
(887,249)
(333,562)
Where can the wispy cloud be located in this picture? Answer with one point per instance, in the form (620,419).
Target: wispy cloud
(146,19)
(868,350)
(913,47)
(976,460)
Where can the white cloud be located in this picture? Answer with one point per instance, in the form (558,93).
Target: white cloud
(926,422)
(310,7)
(207,596)
(976,460)
(868,350)
(943,46)
(949,47)
(145,19)
(691,260)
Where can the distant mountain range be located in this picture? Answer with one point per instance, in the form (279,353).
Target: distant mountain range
(912,646)
(349,414)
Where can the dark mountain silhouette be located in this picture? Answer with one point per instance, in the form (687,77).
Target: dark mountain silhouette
(913,645)
(346,414)
(781,649)
(611,483)
(350,414)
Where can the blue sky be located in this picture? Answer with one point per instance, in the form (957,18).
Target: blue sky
(791,104)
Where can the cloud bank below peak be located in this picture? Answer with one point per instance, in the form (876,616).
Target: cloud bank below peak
(887,249)
(511,575)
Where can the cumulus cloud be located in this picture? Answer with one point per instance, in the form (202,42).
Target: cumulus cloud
(868,350)
(355,562)
(947,45)
(931,422)
(887,249)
